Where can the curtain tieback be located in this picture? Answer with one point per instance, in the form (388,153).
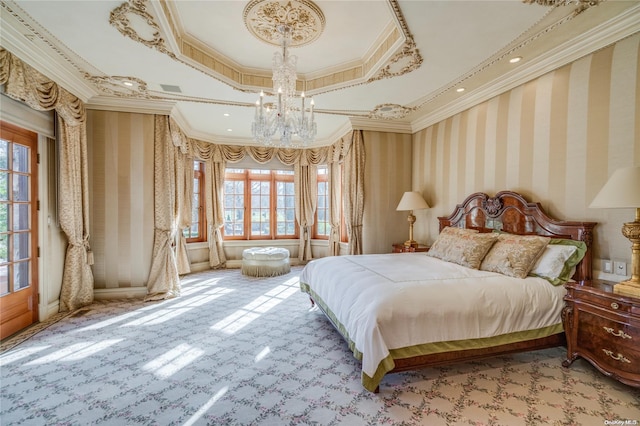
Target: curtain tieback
(87,248)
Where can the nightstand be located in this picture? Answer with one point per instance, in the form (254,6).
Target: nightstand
(401,248)
(604,328)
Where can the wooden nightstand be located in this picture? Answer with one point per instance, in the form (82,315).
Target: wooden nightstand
(603,328)
(401,248)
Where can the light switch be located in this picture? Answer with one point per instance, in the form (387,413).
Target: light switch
(607,266)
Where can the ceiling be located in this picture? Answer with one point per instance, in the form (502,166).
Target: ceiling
(388,65)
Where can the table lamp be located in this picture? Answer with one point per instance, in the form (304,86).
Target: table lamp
(622,190)
(411,200)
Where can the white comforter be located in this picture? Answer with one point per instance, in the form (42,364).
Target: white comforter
(393,301)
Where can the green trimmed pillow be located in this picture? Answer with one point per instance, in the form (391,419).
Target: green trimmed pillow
(558,261)
(514,255)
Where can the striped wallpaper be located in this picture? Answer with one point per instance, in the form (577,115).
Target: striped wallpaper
(121,197)
(387,177)
(555,139)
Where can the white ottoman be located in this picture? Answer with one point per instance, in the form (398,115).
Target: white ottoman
(265,261)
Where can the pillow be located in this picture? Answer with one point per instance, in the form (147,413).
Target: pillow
(558,261)
(465,247)
(514,255)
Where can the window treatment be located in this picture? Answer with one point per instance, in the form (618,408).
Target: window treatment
(354,192)
(333,170)
(305,182)
(164,280)
(217,156)
(214,184)
(25,84)
(184,191)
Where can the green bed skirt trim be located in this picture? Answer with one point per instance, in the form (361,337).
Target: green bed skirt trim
(387,364)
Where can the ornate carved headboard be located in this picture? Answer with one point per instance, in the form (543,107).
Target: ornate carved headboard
(509,212)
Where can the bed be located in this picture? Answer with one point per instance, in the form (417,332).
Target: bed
(459,301)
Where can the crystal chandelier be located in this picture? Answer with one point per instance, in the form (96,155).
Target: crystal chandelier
(284,118)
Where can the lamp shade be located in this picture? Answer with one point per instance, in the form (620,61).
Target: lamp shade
(622,190)
(412,200)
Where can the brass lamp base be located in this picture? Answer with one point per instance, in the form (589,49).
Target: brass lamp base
(411,243)
(627,288)
(631,287)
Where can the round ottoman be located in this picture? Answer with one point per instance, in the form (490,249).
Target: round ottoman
(265,261)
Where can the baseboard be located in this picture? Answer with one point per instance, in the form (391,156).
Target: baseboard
(120,293)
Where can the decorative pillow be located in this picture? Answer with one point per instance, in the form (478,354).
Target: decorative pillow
(558,261)
(465,247)
(514,255)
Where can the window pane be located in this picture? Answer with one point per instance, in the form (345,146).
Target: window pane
(20,217)
(20,188)
(20,246)
(20,158)
(4,217)
(4,248)
(21,275)
(4,279)
(234,207)
(285,213)
(4,186)
(4,155)
(322,210)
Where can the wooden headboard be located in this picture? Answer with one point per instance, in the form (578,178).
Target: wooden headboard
(509,212)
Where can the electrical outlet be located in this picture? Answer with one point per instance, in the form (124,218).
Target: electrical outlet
(620,268)
(607,266)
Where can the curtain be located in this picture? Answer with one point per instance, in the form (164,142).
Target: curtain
(354,192)
(25,84)
(184,203)
(333,170)
(305,182)
(164,281)
(214,182)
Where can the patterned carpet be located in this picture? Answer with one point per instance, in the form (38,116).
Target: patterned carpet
(248,351)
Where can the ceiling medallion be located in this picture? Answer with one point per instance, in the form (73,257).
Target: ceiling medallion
(304,19)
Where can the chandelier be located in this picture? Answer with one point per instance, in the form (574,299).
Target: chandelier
(289,116)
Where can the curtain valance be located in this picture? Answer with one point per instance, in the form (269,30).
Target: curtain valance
(25,84)
(233,153)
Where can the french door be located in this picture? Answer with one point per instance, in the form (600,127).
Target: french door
(18,229)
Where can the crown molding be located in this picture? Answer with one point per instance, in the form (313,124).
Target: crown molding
(599,37)
(393,126)
(140,106)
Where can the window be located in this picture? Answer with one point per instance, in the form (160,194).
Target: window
(197,231)
(322,225)
(268,196)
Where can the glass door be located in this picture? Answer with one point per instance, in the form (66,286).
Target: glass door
(18,229)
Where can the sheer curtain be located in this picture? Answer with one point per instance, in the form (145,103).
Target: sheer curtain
(25,84)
